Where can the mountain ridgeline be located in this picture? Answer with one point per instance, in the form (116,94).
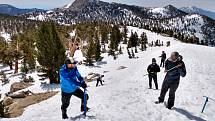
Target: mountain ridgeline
(13,11)
(167,20)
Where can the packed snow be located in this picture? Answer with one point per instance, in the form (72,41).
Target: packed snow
(161,11)
(125,95)
(67,6)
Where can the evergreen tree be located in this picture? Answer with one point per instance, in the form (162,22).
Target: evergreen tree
(50,51)
(143,41)
(104,37)
(129,45)
(120,50)
(89,51)
(27,48)
(125,31)
(97,47)
(135,41)
(115,39)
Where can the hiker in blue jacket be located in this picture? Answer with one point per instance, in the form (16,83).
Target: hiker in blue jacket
(71,81)
(174,68)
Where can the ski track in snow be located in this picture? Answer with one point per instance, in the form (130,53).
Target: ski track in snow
(125,95)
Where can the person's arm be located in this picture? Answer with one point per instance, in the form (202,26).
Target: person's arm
(166,64)
(78,75)
(158,68)
(65,76)
(182,70)
(148,69)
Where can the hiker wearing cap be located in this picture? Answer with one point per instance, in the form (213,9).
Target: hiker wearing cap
(153,69)
(174,68)
(71,81)
(163,58)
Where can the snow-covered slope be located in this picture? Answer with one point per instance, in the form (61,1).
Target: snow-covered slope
(193,9)
(125,95)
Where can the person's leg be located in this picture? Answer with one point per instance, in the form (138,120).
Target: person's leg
(101,82)
(97,83)
(163,63)
(164,89)
(155,81)
(171,100)
(80,94)
(150,81)
(65,98)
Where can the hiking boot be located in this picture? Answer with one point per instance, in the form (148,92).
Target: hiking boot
(64,115)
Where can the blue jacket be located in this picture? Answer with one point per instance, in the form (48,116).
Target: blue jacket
(70,79)
(174,75)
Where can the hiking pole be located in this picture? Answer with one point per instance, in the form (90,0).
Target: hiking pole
(85,102)
(172,69)
(204,104)
(145,75)
(207,99)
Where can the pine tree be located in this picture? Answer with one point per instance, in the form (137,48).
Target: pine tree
(125,31)
(143,41)
(90,50)
(115,39)
(50,51)
(27,48)
(135,41)
(104,37)
(129,45)
(120,50)
(97,47)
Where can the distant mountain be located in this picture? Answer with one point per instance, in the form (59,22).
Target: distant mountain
(200,11)
(11,10)
(168,18)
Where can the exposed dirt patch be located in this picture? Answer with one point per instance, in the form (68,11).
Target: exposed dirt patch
(17,108)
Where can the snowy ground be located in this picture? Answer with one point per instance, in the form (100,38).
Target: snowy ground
(125,95)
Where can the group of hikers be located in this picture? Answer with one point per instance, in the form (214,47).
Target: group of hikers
(174,68)
(71,80)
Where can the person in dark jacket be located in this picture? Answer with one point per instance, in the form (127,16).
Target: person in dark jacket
(71,81)
(99,80)
(153,69)
(163,58)
(174,68)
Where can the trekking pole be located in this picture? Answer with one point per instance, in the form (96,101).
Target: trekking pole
(172,69)
(145,75)
(204,104)
(85,102)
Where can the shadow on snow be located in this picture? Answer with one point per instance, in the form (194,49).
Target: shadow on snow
(188,114)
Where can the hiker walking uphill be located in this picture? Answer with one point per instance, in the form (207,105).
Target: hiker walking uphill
(99,80)
(71,81)
(163,58)
(174,68)
(153,69)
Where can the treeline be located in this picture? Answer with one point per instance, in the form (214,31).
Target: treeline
(43,44)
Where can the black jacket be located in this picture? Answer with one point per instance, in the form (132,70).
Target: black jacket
(163,56)
(153,69)
(174,74)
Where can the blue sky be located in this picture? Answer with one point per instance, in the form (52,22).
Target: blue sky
(48,4)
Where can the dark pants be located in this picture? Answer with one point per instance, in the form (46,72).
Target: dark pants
(99,80)
(67,96)
(162,62)
(154,77)
(172,87)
